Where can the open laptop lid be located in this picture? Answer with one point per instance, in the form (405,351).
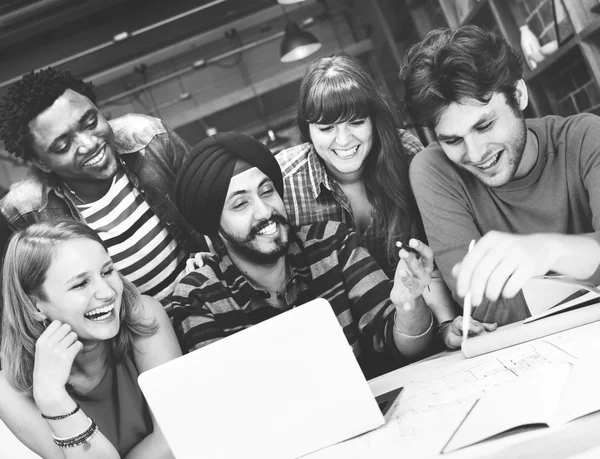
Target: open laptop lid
(280,389)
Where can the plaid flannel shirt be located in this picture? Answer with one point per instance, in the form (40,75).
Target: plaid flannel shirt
(217,300)
(311,195)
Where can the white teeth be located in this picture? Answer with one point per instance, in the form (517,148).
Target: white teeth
(95,160)
(269,229)
(493,160)
(99,313)
(346,153)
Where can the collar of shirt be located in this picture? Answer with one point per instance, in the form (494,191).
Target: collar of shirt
(318,174)
(241,290)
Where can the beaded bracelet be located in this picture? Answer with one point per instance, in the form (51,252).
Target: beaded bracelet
(62,416)
(78,439)
(72,437)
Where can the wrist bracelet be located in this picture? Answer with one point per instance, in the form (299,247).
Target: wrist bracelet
(62,416)
(81,438)
(415,336)
(85,440)
(441,328)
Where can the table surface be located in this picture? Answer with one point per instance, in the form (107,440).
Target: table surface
(577,439)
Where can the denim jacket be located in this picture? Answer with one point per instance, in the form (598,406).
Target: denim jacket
(151,156)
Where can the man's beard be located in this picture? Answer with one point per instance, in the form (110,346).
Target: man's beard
(246,247)
(517,148)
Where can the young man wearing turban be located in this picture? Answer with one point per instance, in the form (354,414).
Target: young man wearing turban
(230,188)
(115,175)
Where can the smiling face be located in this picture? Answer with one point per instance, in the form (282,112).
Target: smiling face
(343,147)
(254,221)
(487,140)
(83,289)
(72,139)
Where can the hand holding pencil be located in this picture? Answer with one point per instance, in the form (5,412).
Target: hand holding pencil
(467,306)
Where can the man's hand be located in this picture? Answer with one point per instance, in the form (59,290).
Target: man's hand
(452,336)
(501,263)
(196,261)
(413,273)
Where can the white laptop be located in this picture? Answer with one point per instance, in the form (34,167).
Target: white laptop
(280,389)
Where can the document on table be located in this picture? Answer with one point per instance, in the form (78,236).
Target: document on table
(520,332)
(543,294)
(550,396)
(437,397)
(427,413)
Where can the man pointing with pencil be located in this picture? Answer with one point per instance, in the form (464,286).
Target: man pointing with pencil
(528,191)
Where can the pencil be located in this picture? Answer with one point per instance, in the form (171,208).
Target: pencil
(466,322)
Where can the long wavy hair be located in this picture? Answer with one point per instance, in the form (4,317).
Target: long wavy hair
(339,88)
(27,258)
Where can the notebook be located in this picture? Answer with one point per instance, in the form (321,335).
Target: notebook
(549,397)
(280,389)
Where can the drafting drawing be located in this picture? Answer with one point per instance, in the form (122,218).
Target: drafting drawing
(439,405)
(427,413)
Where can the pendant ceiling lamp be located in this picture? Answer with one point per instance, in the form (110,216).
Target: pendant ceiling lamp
(274,142)
(297,43)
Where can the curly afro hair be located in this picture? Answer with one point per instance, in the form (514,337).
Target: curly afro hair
(29,97)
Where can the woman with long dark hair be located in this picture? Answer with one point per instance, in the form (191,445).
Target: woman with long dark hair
(354,168)
(75,336)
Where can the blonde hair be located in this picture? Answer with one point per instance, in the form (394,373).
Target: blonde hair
(26,261)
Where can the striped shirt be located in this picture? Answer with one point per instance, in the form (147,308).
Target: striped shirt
(138,242)
(311,195)
(326,261)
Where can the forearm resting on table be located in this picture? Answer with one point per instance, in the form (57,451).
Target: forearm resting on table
(413,330)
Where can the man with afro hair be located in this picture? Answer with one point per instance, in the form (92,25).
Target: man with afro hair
(114,175)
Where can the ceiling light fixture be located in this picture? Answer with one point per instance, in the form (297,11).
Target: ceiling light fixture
(297,43)
(288,2)
(274,142)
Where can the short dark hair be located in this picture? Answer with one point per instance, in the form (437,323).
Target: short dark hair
(29,97)
(452,65)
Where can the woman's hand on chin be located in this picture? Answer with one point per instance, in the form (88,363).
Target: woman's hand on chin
(55,351)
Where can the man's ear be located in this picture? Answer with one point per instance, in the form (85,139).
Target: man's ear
(39,164)
(521,94)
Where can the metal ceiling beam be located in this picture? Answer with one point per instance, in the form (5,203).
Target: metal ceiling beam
(168,52)
(118,38)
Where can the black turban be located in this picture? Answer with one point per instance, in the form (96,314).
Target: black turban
(203,181)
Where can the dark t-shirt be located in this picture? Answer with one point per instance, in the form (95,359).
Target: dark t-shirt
(118,407)
(560,195)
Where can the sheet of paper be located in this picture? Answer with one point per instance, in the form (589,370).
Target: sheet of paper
(436,398)
(584,300)
(581,394)
(428,412)
(518,332)
(581,342)
(532,399)
(543,294)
